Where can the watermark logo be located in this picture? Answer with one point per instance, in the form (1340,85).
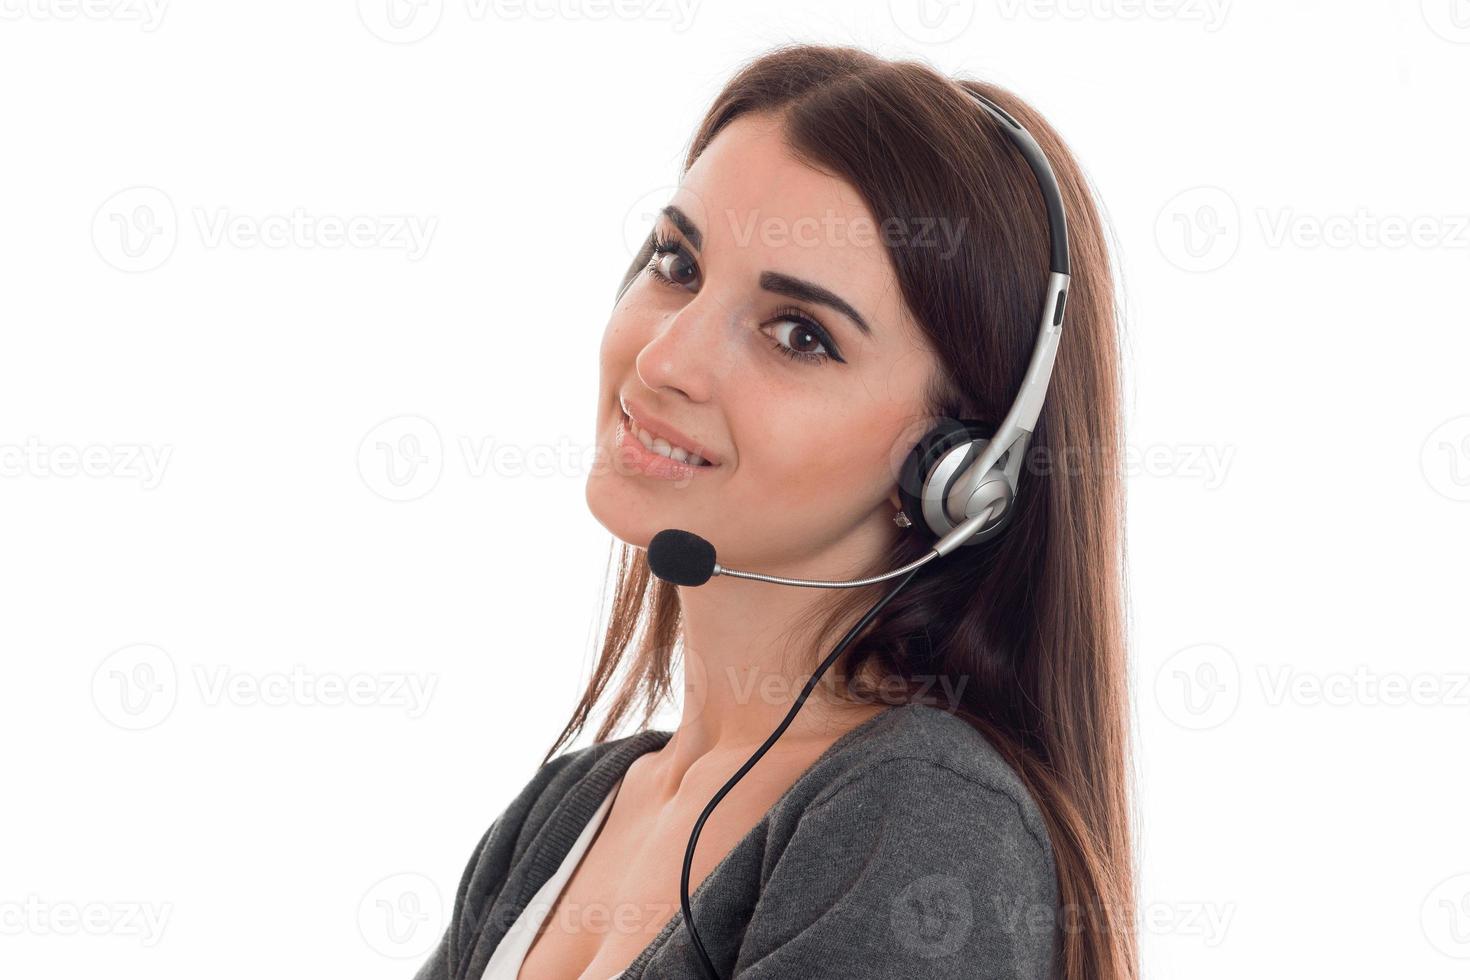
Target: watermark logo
(1210,13)
(1450,19)
(932,21)
(1361,687)
(1445,917)
(136,687)
(136,229)
(1198,230)
(147,14)
(401,458)
(1445,459)
(408,21)
(1199,687)
(401,916)
(644,211)
(128,461)
(35,916)
(1362,229)
(220,684)
(400,21)
(1202,687)
(933,916)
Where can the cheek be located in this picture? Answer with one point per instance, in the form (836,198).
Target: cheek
(821,461)
(616,340)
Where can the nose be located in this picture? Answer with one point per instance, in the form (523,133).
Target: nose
(689,348)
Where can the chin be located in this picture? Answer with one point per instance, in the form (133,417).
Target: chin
(629,502)
(616,508)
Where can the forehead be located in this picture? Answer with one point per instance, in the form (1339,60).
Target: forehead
(759,208)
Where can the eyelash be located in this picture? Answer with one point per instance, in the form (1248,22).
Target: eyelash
(670,246)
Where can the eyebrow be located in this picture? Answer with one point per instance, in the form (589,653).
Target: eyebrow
(776,282)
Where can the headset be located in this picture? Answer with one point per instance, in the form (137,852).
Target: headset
(958,482)
(963,467)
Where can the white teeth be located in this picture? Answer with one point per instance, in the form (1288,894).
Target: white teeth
(664,448)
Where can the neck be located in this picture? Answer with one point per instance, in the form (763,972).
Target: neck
(749,649)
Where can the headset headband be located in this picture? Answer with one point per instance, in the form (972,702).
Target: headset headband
(1016,428)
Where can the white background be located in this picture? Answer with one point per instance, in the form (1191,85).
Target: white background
(196,506)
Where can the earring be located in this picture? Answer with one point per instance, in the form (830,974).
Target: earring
(902,519)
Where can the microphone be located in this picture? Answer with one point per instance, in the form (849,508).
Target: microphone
(684,558)
(681,557)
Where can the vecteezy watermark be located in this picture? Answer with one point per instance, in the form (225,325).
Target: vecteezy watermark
(35,916)
(1207,463)
(1445,917)
(1202,686)
(408,21)
(755,685)
(125,461)
(138,687)
(147,14)
(1361,686)
(401,916)
(1198,687)
(402,458)
(137,230)
(932,21)
(1210,13)
(219,684)
(834,230)
(1445,459)
(409,233)
(1200,229)
(1450,19)
(1207,921)
(400,21)
(940,234)
(932,916)
(1285,226)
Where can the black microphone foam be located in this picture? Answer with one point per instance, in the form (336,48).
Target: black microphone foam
(681,557)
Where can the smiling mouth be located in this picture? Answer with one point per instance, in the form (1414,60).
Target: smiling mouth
(662,446)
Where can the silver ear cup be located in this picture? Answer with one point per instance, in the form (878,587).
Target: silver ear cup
(943,512)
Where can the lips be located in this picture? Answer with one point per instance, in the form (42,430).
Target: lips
(658,428)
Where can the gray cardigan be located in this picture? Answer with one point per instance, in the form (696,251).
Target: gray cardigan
(909,849)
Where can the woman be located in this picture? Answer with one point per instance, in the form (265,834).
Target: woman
(855,252)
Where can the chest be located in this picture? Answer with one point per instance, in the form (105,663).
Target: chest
(625,888)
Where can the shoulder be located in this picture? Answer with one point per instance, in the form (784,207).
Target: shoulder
(921,850)
(508,851)
(583,773)
(925,757)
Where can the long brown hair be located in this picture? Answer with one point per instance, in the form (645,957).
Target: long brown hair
(1032,622)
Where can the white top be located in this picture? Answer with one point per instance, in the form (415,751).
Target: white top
(505,962)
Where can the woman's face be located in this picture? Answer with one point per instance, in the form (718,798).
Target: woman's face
(750,347)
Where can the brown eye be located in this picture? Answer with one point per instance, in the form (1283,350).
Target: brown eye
(675,268)
(800,339)
(794,334)
(670,263)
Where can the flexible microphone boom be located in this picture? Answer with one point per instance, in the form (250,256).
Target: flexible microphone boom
(684,558)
